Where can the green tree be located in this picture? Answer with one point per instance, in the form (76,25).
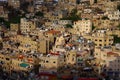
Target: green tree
(105,17)
(118,7)
(68,26)
(116,39)
(118,26)
(6,23)
(39,14)
(73,12)
(93,27)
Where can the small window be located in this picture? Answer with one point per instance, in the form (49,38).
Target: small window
(100,44)
(7,59)
(54,62)
(47,61)
(104,44)
(95,39)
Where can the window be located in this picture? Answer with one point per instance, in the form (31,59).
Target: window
(7,59)
(54,62)
(104,44)
(100,44)
(105,40)
(100,40)
(47,61)
(95,39)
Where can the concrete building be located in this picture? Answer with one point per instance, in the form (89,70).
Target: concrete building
(26,25)
(52,61)
(71,57)
(14,27)
(14,3)
(60,41)
(83,26)
(107,60)
(114,15)
(43,46)
(100,38)
(67,1)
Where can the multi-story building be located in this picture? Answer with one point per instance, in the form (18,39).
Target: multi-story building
(107,60)
(26,25)
(105,23)
(14,3)
(52,61)
(100,38)
(52,34)
(114,15)
(67,1)
(5,61)
(14,27)
(83,26)
(3,13)
(60,41)
(43,46)
(16,62)
(26,44)
(71,57)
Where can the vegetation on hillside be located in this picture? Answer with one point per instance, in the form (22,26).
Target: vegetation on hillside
(73,16)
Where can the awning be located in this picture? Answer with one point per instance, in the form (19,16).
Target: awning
(24,65)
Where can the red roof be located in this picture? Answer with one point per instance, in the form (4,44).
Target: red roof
(53,32)
(69,44)
(66,77)
(112,53)
(46,74)
(20,56)
(54,53)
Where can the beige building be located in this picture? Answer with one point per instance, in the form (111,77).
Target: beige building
(26,25)
(43,46)
(14,3)
(52,61)
(26,44)
(67,1)
(71,57)
(100,38)
(114,15)
(107,59)
(5,62)
(60,41)
(83,26)
(14,27)
(17,63)
(113,32)
(52,34)
(105,23)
